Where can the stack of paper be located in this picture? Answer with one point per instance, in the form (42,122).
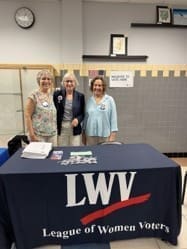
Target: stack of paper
(37,150)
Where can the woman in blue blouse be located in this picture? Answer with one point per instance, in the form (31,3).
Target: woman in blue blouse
(100,123)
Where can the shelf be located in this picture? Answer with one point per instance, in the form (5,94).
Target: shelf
(115,58)
(155,25)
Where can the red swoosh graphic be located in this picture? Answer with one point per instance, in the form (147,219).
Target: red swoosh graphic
(113,207)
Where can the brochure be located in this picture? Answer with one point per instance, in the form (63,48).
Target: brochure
(37,150)
(56,155)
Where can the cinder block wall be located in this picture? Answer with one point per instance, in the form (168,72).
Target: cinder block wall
(153,111)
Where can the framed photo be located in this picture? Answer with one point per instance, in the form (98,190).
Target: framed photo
(118,44)
(163,15)
(180,16)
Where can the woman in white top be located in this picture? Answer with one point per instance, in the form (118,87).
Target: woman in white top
(40,112)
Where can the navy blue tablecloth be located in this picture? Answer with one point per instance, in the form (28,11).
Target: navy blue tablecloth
(132,191)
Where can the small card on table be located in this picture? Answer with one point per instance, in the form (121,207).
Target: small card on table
(56,155)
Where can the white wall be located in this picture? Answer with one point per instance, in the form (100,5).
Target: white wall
(162,45)
(39,44)
(66,29)
(71,31)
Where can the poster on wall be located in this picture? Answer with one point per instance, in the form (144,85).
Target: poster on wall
(121,79)
(93,73)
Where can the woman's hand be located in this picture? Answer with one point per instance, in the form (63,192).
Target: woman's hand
(74,122)
(112,137)
(33,138)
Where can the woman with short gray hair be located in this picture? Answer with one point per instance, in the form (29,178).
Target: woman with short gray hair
(70,106)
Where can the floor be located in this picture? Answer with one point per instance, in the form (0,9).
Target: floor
(148,243)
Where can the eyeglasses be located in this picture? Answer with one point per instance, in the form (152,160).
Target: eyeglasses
(45,78)
(69,81)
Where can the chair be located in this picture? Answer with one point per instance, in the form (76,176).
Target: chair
(111,142)
(184,187)
(16,142)
(3,155)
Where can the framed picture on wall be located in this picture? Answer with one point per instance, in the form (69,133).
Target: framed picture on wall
(163,15)
(118,44)
(180,17)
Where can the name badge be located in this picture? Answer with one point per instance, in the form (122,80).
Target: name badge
(102,107)
(45,104)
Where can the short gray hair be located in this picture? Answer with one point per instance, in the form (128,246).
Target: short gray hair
(72,75)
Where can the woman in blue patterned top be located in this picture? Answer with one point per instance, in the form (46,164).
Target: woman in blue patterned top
(100,123)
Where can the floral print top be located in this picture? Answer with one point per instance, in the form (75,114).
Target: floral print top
(44,116)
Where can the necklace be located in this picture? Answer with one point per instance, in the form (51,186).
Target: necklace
(44,99)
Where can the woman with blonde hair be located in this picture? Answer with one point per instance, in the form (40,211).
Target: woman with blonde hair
(40,112)
(70,106)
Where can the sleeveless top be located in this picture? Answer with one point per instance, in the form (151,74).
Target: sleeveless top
(44,116)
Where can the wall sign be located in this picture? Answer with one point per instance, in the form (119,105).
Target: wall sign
(121,79)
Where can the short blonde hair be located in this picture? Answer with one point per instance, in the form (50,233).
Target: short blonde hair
(43,72)
(70,75)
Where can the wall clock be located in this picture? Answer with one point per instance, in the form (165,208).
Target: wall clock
(24,17)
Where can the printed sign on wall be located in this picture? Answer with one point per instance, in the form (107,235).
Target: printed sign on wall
(121,79)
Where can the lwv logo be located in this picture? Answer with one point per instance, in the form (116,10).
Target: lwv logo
(101,188)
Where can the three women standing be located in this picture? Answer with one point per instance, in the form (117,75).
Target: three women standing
(43,120)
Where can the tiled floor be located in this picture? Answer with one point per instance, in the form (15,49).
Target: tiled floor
(149,243)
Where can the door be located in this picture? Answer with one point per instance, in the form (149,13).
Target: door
(11,112)
(15,86)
